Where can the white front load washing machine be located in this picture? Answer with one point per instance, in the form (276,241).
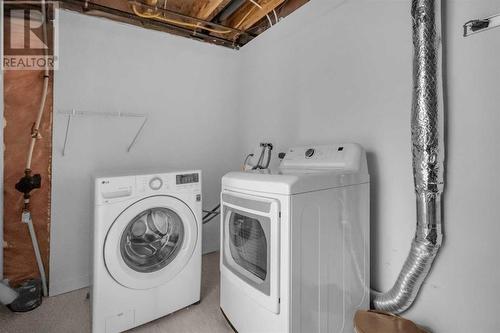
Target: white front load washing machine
(295,243)
(146,248)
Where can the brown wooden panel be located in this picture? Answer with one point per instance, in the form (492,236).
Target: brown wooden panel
(22,93)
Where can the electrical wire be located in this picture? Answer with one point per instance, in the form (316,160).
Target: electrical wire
(259,26)
(213,211)
(275,17)
(160,17)
(257,5)
(208,216)
(211,218)
(260,7)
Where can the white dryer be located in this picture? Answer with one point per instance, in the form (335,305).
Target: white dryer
(146,248)
(295,242)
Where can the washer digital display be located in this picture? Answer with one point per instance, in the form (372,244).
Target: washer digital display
(187,178)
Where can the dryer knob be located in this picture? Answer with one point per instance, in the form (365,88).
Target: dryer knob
(155,183)
(310,152)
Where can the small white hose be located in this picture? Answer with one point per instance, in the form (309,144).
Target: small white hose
(36,127)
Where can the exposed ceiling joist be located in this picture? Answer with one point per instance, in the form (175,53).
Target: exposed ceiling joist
(230,23)
(94,9)
(208,9)
(249,14)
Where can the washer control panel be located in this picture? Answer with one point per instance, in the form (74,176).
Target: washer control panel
(155,183)
(190,180)
(115,189)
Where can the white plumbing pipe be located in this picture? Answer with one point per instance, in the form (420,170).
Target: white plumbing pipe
(34,134)
(27,219)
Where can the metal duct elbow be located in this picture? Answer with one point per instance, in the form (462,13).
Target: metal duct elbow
(428,158)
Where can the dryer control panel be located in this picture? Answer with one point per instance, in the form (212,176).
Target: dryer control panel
(342,156)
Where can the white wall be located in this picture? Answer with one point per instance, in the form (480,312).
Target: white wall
(1,155)
(341,71)
(333,71)
(186,87)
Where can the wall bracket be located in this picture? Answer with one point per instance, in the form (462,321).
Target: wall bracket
(479,25)
(74,113)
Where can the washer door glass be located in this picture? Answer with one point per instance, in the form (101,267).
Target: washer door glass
(152,240)
(248,244)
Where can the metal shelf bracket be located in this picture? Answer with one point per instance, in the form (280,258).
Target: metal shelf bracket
(479,25)
(74,113)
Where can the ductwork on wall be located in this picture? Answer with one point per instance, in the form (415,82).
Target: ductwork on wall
(428,158)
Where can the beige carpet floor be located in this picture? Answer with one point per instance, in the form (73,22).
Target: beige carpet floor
(70,313)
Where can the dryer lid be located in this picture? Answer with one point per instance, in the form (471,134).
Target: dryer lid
(306,169)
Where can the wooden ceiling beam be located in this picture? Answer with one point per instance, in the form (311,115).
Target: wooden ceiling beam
(249,14)
(208,9)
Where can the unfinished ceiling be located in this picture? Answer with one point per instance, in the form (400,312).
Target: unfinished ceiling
(231,23)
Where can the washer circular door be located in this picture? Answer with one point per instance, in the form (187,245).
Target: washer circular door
(150,242)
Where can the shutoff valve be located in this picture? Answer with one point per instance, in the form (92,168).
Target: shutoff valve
(28,183)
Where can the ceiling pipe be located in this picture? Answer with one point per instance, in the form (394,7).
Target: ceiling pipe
(428,158)
(179,16)
(229,10)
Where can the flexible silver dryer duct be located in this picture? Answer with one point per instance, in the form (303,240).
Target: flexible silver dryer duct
(428,158)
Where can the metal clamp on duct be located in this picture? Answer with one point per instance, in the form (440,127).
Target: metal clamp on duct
(428,158)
